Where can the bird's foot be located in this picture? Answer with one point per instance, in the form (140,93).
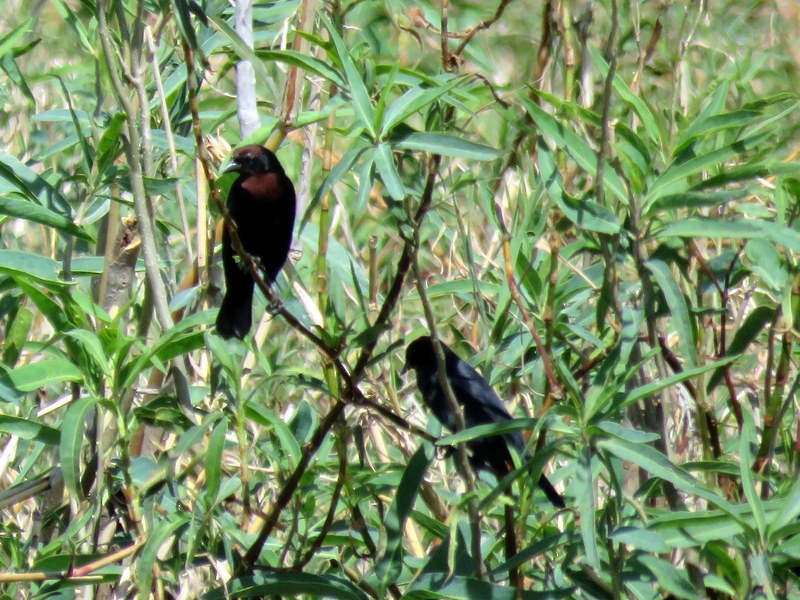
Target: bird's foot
(275,305)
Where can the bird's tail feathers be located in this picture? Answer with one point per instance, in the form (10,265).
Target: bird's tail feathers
(551,493)
(235,315)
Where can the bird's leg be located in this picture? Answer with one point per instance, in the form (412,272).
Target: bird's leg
(275,303)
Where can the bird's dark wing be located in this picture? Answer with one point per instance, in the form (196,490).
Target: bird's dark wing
(235,313)
(481,404)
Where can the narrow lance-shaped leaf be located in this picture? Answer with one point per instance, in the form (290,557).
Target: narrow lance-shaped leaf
(85,150)
(677,308)
(653,461)
(390,565)
(447,145)
(30,211)
(704,227)
(29,430)
(587,505)
(288,584)
(71,448)
(745,468)
(413,101)
(384,161)
(679,172)
(307,63)
(32,376)
(669,578)
(588,215)
(355,84)
(30,184)
(576,147)
(638,104)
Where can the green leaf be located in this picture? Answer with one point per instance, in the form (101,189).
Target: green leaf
(653,461)
(288,584)
(639,538)
(10,39)
(692,529)
(538,548)
(86,152)
(447,145)
(70,450)
(704,227)
(651,388)
(27,265)
(214,460)
(632,435)
(436,585)
(747,437)
(93,347)
(766,263)
(355,87)
(787,512)
(586,504)
(713,124)
(25,209)
(25,180)
(162,530)
(31,377)
(752,326)
(179,340)
(634,101)
(339,170)
(29,430)
(489,429)
(588,215)
(390,565)
(694,200)
(414,100)
(384,161)
(576,147)
(677,308)
(182,17)
(109,147)
(9,65)
(302,61)
(681,170)
(16,335)
(239,47)
(267,418)
(669,578)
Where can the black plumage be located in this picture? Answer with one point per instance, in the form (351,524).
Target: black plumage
(262,203)
(479,404)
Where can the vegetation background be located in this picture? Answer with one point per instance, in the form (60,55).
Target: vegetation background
(594,203)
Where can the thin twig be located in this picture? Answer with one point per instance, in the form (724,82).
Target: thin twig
(485,24)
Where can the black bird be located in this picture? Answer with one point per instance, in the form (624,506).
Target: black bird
(262,204)
(480,406)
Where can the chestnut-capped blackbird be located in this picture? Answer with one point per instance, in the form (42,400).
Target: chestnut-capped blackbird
(262,204)
(480,406)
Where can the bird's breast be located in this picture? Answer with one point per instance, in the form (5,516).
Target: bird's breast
(267,187)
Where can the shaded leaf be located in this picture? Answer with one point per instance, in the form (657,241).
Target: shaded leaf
(447,145)
(31,377)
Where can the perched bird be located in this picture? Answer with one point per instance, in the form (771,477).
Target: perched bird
(262,204)
(478,402)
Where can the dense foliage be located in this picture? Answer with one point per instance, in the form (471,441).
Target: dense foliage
(593,203)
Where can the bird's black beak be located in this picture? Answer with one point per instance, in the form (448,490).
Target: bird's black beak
(232,167)
(406,368)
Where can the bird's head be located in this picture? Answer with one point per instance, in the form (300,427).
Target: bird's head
(419,353)
(252,159)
